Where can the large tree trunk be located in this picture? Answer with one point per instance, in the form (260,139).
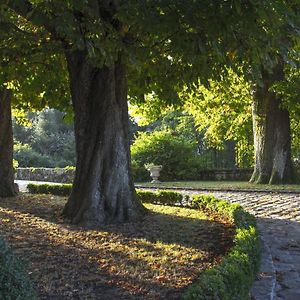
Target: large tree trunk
(272,137)
(7,185)
(103,190)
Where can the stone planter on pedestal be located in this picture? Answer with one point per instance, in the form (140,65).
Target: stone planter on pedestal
(154,173)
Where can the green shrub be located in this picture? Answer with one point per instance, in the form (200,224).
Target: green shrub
(28,157)
(14,281)
(146,196)
(54,189)
(233,277)
(177,155)
(169,197)
(139,172)
(160,197)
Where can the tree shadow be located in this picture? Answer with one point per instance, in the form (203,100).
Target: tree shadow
(71,262)
(166,228)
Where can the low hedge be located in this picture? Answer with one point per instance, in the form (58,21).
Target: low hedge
(233,277)
(14,281)
(54,189)
(160,197)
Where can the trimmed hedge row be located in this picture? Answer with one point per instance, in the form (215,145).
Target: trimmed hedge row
(233,277)
(54,189)
(160,197)
(14,281)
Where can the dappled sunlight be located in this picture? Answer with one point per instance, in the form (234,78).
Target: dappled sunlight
(153,258)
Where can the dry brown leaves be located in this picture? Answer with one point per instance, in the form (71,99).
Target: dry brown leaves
(153,259)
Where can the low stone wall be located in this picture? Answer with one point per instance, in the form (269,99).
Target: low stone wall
(226,175)
(66,175)
(60,175)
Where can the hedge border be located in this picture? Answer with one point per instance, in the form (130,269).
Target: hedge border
(233,277)
(53,189)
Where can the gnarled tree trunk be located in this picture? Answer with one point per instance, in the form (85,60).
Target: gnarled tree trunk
(272,137)
(103,190)
(7,185)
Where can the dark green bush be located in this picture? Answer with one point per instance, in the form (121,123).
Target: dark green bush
(160,197)
(14,281)
(146,196)
(54,189)
(139,172)
(26,156)
(233,278)
(169,197)
(177,155)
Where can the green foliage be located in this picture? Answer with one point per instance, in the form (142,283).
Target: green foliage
(14,281)
(54,189)
(169,197)
(160,197)
(26,156)
(222,111)
(139,172)
(146,196)
(47,142)
(233,277)
(15,164)
(177,156)
(31,65)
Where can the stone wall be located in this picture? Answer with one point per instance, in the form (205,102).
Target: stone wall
(226,175)
(66,175)
(60,175)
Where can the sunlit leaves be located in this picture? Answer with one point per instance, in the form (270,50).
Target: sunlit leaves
(30,66)
(222,111)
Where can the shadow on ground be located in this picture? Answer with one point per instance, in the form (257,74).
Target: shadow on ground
(153,259)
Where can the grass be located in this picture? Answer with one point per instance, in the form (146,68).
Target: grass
(223,185)
(155,258)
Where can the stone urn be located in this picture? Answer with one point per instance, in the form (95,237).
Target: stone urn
(154,173)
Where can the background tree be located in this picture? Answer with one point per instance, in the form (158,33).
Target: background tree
(46,140)
(25,81)
(222,111)
(260,47)
(8,188)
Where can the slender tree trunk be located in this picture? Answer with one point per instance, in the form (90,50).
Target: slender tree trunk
(272,137)
(7,185)
(103,190)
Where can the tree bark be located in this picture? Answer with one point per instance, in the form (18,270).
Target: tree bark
(7,186)
(272,137)
(103,190)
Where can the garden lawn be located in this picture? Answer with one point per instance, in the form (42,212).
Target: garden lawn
(152,259)
(223,185)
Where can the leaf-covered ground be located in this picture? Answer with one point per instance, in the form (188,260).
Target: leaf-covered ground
(153,259)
